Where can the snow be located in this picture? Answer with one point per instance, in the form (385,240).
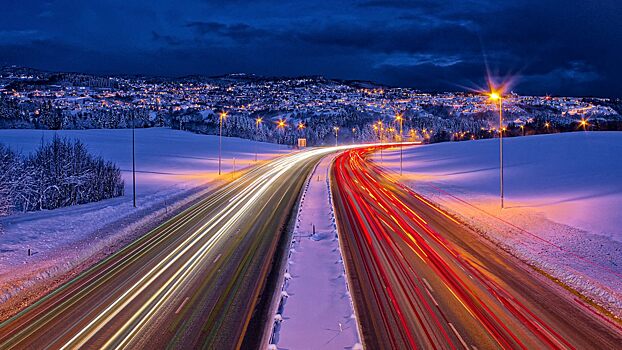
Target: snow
(316,307)
(563,196)
(173,169)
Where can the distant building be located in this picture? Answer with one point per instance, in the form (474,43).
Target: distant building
(302,142)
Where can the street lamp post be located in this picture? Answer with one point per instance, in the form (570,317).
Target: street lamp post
(400,119)
(133,162)
(336,128)
(494,96)
(257,122)
(380,132)
(223,115)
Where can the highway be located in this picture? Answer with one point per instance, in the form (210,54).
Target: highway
(193,282)
(422,280)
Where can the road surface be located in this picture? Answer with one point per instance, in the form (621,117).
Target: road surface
(421,279)
(192,282)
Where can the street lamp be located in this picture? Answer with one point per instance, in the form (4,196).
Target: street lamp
(400,119)
(281,124)
(336,128)
(584,123)
(380,132)
(257,123)
(223,115)
(495,96)
(133,162)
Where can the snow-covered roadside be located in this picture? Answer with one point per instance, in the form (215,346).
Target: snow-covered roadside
(315,309)
(563,199)
(174,169)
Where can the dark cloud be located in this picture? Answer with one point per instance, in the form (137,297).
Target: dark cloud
(554,46)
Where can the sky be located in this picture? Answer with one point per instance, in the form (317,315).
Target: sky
(557,47)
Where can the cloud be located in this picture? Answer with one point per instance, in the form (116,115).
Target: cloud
(240,32)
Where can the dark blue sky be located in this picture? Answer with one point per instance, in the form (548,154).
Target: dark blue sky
(566,47)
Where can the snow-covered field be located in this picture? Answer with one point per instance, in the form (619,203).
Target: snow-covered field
(563,199)
(173,168)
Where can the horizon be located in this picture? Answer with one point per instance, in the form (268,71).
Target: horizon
(557,48)
(173,77)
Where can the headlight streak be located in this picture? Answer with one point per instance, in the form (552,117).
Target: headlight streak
(237,207)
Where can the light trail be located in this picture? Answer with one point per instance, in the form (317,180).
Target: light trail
(121,300)
(398,245)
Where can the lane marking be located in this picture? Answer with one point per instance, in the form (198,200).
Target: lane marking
(458,335)
(218,257)
(182,305)
(427,284)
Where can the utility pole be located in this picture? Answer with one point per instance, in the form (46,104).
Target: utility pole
(133,160)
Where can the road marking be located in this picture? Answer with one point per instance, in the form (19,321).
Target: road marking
(433,300)
(218,257)
(182,305)
(458,335)
(427,284)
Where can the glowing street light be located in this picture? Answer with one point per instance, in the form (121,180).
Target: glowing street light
(223,115)
(281,124)
(495,96)
(584,123)
(258,122)
(301,126)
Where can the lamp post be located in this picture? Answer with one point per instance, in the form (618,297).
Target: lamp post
(494,96)
(257,122)
(380,132)
(400,119)
(336,128)
(223,115)
(280,125)
(133,163)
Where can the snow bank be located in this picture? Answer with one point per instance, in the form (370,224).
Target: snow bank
(315,310)
(563,198)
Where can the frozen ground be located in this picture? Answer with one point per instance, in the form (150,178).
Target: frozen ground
(173,168)
(316,308)
(563,201)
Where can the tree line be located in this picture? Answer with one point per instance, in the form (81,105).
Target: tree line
(58,173)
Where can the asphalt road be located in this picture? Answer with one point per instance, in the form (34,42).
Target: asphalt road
(191,283)
(422,280)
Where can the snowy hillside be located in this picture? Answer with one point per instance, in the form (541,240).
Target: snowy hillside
(563,197)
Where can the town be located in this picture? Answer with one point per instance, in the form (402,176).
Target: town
(281,110)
